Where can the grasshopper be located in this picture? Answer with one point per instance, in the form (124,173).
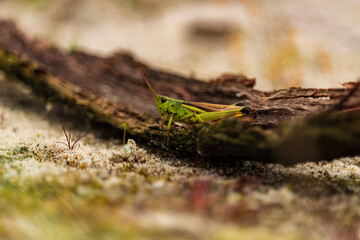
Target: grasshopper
(193,112)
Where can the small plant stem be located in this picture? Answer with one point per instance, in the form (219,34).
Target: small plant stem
(68,139)
(127,159)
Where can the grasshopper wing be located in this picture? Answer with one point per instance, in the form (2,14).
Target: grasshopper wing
(210,107)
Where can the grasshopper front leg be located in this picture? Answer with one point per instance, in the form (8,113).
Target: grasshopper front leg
(163,120)
(168,130)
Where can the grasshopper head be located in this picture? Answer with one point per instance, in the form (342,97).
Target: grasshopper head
(167,105)
(164,104)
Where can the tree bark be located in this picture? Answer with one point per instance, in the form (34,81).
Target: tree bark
(292,125)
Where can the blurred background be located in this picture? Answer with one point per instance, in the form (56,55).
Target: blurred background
(281,43)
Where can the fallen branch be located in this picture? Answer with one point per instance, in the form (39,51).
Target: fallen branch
(111,90)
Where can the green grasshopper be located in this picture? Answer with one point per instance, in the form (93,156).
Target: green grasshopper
(193,112)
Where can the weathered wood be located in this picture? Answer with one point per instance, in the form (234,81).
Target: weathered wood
(111,90)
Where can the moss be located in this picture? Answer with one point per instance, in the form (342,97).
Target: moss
(21,150)
(10,158)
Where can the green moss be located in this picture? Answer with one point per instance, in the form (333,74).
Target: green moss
(21,150)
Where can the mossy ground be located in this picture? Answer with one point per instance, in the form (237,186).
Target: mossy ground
(93,192)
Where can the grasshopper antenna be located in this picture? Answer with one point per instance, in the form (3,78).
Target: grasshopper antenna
(147,81)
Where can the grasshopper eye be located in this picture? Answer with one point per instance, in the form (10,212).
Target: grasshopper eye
(239,104)
(163,99)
